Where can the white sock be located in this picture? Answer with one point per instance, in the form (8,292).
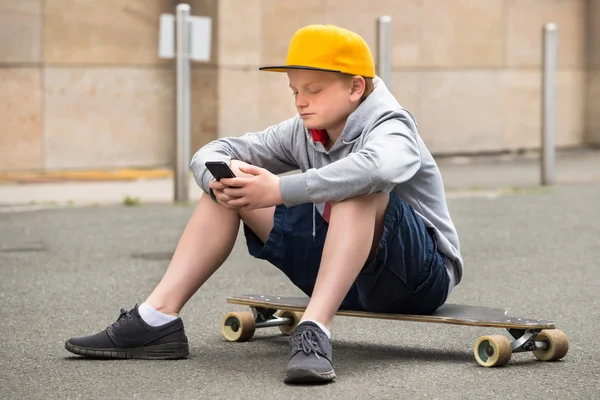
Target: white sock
(154,317)
(320,325)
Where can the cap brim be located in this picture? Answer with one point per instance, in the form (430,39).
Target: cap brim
(284,68)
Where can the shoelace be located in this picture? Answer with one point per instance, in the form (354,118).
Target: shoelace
(124,314)
(308,342)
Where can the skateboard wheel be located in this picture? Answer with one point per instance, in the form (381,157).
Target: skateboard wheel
(492,351)
(558,345)
(295,317)
(238,326)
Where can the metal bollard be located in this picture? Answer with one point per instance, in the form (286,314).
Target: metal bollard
(384,62)
(182,162)
(549,56)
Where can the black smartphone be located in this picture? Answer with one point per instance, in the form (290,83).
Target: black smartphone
(219,170)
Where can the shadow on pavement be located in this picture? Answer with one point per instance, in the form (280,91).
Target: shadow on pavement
(347,355)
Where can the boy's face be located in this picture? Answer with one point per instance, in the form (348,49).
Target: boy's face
(324,100)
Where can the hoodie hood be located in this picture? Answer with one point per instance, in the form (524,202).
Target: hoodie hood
(378,107)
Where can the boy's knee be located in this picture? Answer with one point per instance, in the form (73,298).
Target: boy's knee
(372,207)
(235,168)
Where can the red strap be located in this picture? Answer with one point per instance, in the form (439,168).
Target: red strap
(320,135)
(327,211)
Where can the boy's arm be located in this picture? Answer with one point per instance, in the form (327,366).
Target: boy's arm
(391,156)
(269,149)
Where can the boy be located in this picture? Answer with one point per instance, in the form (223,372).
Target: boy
(363,226)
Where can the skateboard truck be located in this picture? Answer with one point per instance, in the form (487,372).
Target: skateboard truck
(265,317)
(525,340)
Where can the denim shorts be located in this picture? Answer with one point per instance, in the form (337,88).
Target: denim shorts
(406,275)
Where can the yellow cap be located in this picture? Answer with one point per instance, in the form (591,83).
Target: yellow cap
(328,48)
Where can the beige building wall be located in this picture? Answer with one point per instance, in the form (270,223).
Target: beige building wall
(81,84)
(592,120)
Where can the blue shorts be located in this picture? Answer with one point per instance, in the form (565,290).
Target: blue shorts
(406,275)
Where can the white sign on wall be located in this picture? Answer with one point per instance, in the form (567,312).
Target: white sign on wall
(200,29)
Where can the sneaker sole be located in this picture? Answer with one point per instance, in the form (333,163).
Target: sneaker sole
(308,376)
(169,351)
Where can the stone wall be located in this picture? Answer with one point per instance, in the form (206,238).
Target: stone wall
(81,84)
(592,120)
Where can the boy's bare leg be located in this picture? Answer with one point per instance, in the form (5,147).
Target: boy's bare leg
(205,244)
(356,226)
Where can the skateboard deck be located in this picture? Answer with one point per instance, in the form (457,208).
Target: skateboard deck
(458,314)
(537,335)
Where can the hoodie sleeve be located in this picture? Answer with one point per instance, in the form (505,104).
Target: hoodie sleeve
(390,156)
(269,149)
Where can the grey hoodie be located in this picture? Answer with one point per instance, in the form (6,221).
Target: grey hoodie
(379,150)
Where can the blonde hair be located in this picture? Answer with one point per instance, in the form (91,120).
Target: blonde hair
(369,87)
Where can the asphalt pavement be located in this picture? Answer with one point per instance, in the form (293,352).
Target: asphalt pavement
(66,272)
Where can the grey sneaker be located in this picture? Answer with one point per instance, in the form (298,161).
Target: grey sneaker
(311,356)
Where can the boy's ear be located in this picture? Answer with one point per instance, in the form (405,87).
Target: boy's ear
(358,85)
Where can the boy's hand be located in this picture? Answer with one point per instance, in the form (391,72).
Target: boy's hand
(217,187)
(258,189)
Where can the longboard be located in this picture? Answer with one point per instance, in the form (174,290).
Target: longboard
(539,336)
